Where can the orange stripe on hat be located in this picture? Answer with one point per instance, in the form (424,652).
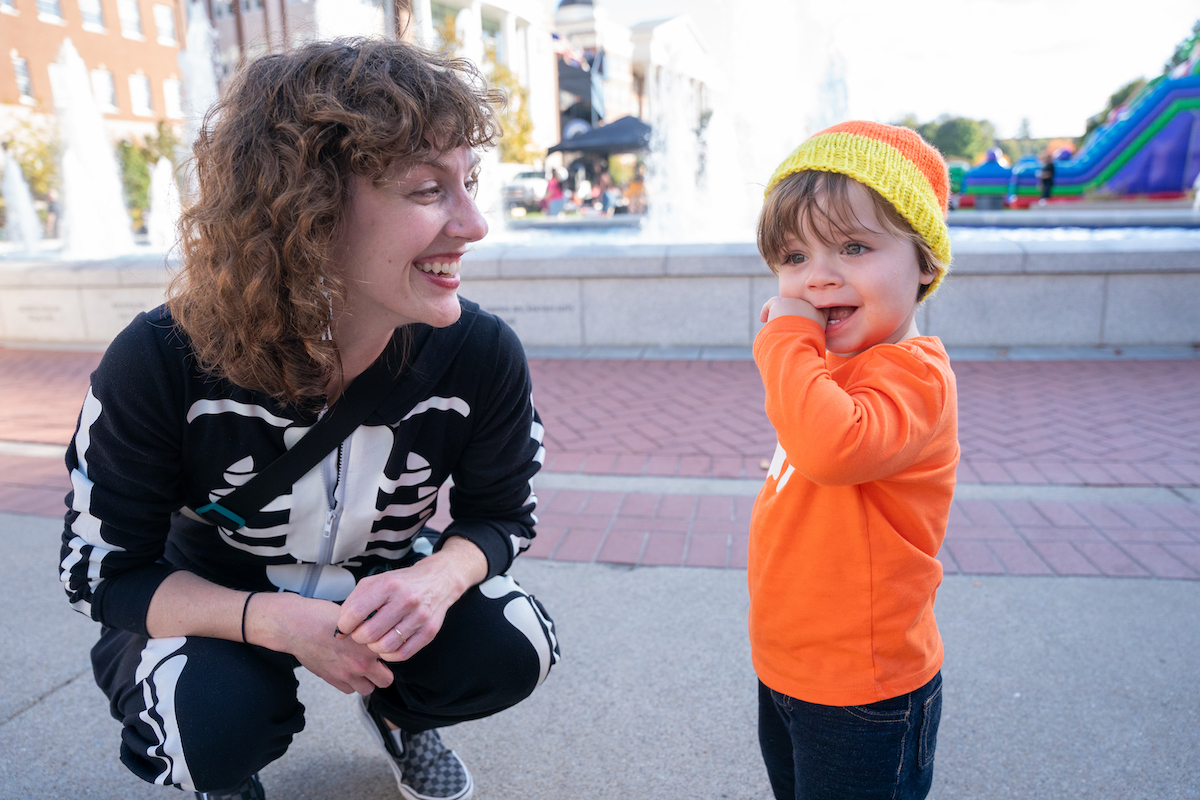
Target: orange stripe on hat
(911,145)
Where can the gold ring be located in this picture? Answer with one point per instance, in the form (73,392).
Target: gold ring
(403,638)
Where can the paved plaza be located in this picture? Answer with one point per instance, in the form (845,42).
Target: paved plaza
(1068,467)
(1069,609)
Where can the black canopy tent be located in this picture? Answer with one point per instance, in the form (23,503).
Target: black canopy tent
(626,135)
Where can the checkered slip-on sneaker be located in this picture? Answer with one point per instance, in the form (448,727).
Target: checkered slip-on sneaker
(249,789)
(425,769)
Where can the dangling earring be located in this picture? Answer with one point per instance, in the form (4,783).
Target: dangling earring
(328,295)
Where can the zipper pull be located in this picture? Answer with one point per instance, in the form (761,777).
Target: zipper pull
(329,523)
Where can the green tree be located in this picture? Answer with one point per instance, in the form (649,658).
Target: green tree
(1183,50)
(963,138)
(1115,100)
(516,141)
(1023,144)
(622,167)
(1011,148)
(36,152)
(928,130)
(164,143)
(135,180)
(1016,149)
(448,40)
(956,137)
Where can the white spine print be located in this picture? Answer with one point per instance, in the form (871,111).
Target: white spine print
(300,536)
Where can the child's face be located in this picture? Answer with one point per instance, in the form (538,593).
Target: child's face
(865,281)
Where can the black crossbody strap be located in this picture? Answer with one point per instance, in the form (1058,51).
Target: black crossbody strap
(364,396)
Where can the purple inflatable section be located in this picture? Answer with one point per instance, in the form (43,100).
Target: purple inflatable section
(1169,162)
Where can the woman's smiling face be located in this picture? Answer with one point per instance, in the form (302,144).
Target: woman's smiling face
(399,250)
(864,278)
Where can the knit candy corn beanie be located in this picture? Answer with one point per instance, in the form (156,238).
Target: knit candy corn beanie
(906,170)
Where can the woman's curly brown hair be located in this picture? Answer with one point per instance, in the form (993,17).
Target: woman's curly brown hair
(273,163)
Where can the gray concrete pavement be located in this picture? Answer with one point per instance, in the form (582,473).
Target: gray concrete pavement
(1055,688)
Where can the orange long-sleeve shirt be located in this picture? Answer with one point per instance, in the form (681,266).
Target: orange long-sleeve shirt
(843,537)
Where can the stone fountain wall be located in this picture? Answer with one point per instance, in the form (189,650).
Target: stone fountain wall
(1001,294)
(85,302)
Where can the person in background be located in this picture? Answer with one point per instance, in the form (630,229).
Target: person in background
(555,199)
(583,190)
(53,212)
(635,192)
(608,193)
(1046,178)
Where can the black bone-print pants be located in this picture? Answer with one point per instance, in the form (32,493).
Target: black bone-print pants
(203,714)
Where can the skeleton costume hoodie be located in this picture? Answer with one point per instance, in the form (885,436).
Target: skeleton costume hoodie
(157,437)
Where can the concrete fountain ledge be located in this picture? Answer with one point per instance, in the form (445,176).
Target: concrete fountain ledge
(1002,294)
(77,302)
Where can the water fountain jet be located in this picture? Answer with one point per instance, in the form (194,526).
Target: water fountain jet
(95,223)
(197,64)
(21,221)
(164,206)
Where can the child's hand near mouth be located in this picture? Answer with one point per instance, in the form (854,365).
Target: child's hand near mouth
(791,307)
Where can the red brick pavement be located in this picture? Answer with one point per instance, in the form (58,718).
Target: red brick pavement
(984,537)
(33,485)
(1106,423)
(1089,423)
(41,392)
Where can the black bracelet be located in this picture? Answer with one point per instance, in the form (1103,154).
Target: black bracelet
(245,606)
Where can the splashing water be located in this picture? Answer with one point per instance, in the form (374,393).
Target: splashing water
(95,222)
(696,190)
(22,224)
(164,206)
(706,185)
(197,64)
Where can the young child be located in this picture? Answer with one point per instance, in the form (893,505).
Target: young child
(843,536)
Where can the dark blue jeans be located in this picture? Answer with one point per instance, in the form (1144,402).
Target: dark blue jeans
(883,750)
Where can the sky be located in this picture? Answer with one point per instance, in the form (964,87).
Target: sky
(1053,62)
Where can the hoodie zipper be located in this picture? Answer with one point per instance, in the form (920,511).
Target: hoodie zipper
(332,469)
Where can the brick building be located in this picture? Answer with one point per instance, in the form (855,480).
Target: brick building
(130,48)
(517,31)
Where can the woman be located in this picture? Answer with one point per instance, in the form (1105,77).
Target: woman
(335,203)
